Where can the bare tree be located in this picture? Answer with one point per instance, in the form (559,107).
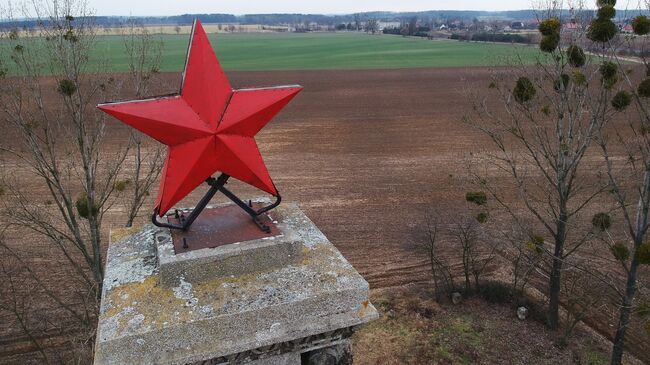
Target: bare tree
(372,26)
(543,130)
(583,297)
(16,298)
(45,117)
(526,257)
(476,252)
(630,190)
(466,236)
(143,52)
(443,280)
(50,104)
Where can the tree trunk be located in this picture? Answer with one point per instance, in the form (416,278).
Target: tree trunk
(134,205)
(630,285)
(626,311)
(466,270)
(554,294)
(555,282)
(433,273)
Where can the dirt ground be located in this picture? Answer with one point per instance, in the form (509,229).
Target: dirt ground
(364,154)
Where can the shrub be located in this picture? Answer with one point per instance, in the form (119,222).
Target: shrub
(606,12)
(621,100)
(385,302)
(641,25)
(537,239)
(602,3)
(536,244)
(82,207)
(524,90)
(609,71)
(534,248)
(482,217)
(70,36)
(643,254)
(602,30)
(413,304)
(121,185)
(67,87)
(476,197)
(620,251)
(550,26)
(644,88)
(497,37)
(601,221)
(496,292)
(562,83)
(579,78)
(643,310)
(549,43)
(576,56)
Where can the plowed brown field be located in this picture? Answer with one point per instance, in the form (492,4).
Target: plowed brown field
(364,154)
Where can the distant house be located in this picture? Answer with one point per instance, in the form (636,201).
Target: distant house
(627,29)
(443,27)
(517,25)
(571,26)
(388,25)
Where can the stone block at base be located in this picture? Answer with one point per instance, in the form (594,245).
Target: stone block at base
(234,259)
(270,315)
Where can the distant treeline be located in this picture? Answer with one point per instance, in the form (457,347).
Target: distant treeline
(493,37)
(281,19)
(475,37)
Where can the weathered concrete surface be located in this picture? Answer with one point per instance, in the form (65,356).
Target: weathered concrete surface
(290,358)
(145,322)
(237,259)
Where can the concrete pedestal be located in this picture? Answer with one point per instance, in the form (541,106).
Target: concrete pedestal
(287,299)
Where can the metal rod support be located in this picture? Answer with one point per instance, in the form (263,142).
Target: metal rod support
(217,185)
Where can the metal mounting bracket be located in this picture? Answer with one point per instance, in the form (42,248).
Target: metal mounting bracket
(216,185)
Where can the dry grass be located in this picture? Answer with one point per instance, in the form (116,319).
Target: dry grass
(414,329)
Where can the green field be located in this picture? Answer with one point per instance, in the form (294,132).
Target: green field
(291,51)
(313,51)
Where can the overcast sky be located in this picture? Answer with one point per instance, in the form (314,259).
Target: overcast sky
(176,7)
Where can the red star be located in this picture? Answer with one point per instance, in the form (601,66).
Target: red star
(209,127)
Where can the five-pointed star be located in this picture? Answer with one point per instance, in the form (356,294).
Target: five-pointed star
(209,127)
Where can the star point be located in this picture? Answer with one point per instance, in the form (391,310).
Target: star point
(209,127)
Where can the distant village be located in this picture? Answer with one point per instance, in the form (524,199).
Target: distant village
(477,26)
(501,30)
(486,28)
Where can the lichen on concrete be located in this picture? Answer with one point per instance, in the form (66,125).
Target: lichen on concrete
(144,321)
(131,258)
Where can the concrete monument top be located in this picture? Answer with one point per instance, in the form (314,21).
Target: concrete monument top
(269,298)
